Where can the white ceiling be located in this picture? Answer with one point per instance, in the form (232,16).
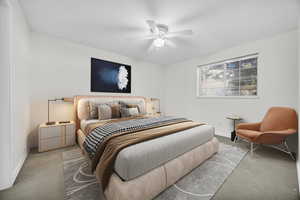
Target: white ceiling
(119,25)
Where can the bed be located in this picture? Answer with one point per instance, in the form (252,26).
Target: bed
(141,171)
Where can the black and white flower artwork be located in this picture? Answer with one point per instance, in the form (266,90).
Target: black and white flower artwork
(107,76)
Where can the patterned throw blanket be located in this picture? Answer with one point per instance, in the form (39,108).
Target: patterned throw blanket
(94,140)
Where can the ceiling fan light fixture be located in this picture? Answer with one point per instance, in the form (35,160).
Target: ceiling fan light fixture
(161,36)
(159,42)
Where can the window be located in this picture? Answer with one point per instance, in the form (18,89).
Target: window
(232,78)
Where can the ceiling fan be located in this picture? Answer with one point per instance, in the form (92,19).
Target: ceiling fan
(161,35)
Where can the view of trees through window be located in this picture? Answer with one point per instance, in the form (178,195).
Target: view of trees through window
(235,77)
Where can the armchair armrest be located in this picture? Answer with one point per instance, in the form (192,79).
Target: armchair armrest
(274,137)
(282,132)
(249,126)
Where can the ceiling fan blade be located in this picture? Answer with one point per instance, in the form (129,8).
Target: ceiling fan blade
(152,26)
(171,44)
(180,33)
(151,47)
(148,37)
(151,23)
(140,38)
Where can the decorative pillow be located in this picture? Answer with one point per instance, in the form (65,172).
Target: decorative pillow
(123,104)
(104,112)
(115,106)
(139,106)
(133,106)
(93,108)
(115,109)
(129,112)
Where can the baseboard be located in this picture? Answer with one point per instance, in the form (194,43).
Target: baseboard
(222,134)
(14,174)
(6,186)
(17,170)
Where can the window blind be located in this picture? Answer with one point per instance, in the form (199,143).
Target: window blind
(231,77)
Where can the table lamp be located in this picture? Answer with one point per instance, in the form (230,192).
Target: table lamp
(54,100)
(155,105)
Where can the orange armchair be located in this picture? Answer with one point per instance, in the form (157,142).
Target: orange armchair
(278,123)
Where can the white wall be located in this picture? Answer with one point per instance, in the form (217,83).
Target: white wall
(62,69)
(277,84)
(14,83)
(21,96)
(5,96)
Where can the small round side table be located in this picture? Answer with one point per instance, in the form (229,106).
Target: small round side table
(234,119)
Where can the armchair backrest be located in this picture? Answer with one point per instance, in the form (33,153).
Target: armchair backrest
(279,118)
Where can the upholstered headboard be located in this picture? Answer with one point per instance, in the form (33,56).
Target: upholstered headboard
(81,104)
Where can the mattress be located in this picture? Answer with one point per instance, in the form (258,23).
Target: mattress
(138,159)
(152,183)
(141,158)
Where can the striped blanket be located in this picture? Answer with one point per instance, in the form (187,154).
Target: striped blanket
(97,136)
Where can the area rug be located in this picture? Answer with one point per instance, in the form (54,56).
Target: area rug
(200,184)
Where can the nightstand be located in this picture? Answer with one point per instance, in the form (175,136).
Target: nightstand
(157,114)
(56,136)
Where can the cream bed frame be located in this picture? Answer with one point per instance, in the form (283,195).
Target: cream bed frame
(149,185)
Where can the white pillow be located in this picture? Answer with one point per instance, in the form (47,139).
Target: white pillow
(129,112)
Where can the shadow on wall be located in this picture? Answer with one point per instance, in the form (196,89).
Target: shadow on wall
(33,138)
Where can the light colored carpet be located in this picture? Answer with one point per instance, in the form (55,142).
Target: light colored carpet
(201,184)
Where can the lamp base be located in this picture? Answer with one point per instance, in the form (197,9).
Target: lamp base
(50,123)
(64,122)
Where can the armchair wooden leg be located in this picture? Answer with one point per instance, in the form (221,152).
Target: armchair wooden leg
(292,154)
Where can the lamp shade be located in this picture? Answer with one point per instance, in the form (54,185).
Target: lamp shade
(155,105)
(64,99)
(68,99)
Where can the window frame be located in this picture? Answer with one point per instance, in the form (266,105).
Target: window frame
(198,71)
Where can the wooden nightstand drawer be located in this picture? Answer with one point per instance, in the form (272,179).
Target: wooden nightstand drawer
(49,132)
(50,143)
(56,136)
(70,140)
(70,130)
